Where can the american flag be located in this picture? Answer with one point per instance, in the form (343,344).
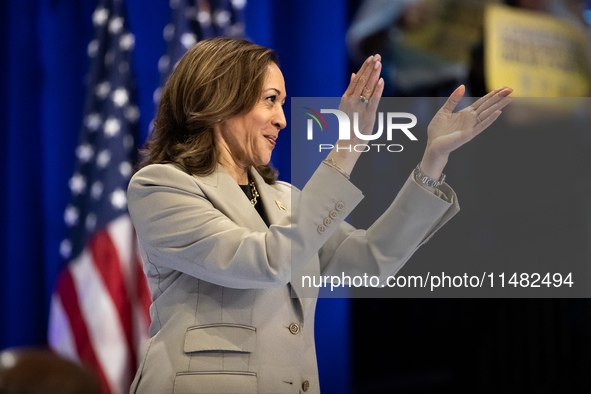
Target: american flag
(99,312)
(196,20)
(100,306)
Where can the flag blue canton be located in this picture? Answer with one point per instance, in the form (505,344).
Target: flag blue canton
(196,20)
(105,151)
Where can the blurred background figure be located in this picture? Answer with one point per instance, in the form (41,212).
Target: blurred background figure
(40,371)
(425,44)
(430,47)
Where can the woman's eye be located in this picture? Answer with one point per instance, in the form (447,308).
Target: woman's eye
(272,98)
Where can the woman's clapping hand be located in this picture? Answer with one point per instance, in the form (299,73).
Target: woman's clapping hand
(449,130)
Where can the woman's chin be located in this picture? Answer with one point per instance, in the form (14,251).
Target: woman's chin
(265,160)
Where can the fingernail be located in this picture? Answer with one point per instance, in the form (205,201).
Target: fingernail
(352,76)
(381,81)
(377,65)
(369,59)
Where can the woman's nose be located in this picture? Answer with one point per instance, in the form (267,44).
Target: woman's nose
(280,121)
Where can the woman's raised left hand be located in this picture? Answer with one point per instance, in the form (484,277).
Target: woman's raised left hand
(449,130)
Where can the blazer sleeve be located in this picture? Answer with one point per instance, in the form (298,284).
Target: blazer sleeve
(180,229)
(383,249)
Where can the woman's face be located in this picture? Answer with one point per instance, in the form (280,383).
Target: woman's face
(253,134)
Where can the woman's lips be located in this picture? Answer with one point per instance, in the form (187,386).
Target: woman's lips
(271,139)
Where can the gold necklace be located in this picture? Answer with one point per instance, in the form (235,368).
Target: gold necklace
(255,193)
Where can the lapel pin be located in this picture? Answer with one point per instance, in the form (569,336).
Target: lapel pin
(280,206)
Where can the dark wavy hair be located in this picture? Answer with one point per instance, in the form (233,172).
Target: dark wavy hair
(216,80)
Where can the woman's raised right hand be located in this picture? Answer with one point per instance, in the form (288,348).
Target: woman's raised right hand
(361,97)
(368,85)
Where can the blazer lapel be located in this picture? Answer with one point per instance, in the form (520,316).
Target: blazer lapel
(227,196)
(278,207)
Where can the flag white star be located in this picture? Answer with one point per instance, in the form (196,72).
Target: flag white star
(66,248)
(71,215)
(237,29)
(93,48)
(174,4)
(238,4)
(120,97)
(118,199)
(77,183)
(93,121)
(157,94)
(204,18)
(163,63)
(125,169)
(116,25)
(103,158)
(96,190)
(222,18)
(84,152)
(100,16)
(102,89)
(90,222)
(168,32)
(188,40)
(112,127)
(127,41)
(132,113)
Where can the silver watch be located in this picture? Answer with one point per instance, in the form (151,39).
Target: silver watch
(424,179)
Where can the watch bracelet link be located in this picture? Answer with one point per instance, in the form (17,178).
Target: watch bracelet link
(424,179)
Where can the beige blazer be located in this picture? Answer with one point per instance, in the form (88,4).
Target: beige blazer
(223,319)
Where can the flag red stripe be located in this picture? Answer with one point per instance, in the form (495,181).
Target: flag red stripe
(106,261)
(66,290)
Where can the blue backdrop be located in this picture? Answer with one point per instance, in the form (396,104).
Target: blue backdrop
(42,71)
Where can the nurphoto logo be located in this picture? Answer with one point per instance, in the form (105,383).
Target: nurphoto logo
(345,129)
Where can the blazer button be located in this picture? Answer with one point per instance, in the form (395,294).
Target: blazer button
(333,214)
(305,385)
(294,328)
(340,206)
(327,221)
(321,229)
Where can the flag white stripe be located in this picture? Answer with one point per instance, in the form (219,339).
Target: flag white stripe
(102,320)
(59,334)
(121,233)
(123,237)
(140,329)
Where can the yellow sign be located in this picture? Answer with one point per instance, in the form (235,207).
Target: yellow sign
(451,29)
(535,54)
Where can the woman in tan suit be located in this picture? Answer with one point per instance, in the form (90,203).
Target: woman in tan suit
(223,242)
